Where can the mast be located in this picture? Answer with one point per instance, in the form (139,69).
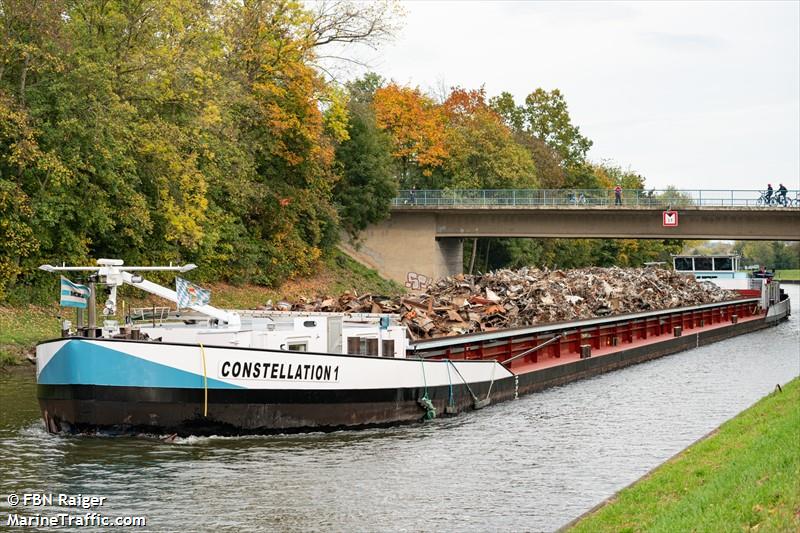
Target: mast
(111,271)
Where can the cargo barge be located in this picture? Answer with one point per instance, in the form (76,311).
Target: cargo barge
(211,371)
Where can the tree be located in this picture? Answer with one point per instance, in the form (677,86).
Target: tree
(547,117)
(367,185)
(197,131)
(673,197)
(362,90)
(512,114)
(549,160)
(483,153)
(770,254)
(416,126)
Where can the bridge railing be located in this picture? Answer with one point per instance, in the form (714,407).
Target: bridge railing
(593,197)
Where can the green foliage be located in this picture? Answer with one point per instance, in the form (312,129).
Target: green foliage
(769,254)
(673,197)
(171,130)
(16,235)
(367,185)
(545,116)
(22,327)
(362,90)
(570,253)
(483,153)
(174,130)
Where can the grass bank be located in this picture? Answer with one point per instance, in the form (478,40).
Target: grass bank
(743,477)
(790,275)
(22,326)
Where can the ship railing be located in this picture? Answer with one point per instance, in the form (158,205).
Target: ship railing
(155,315)
(268,313)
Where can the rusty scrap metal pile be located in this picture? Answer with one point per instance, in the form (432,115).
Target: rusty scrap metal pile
(514,298)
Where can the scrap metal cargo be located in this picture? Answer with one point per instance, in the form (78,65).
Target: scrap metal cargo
(528,296)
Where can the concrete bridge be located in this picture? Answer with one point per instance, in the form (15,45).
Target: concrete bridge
(423,238)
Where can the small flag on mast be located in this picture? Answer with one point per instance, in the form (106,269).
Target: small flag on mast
(74,295)
(189,294)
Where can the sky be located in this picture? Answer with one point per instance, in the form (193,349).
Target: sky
(694,95)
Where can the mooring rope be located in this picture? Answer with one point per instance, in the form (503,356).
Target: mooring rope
(205,381)
(450,400)
(474,398)
(491,383)
(425,402)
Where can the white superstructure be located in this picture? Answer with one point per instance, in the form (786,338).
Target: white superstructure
(370,334)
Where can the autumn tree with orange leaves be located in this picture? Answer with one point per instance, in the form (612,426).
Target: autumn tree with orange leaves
(483,152)
(417,128)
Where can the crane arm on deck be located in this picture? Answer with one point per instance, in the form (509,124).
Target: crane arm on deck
(112,271)
(231,319)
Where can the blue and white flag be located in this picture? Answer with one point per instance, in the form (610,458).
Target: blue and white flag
(189,294)
(74,295)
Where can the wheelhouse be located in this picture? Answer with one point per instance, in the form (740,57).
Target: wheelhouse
(708,266)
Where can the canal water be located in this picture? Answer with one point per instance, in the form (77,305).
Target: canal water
(533,464)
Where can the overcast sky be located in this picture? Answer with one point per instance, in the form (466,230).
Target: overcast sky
(696,95)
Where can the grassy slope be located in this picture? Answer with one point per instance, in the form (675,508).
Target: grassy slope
(793,275)
(21,327)
(745,477)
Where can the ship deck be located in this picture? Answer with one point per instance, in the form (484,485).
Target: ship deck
(569,357)
(546,346)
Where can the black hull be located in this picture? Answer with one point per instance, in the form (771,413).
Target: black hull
(92,408)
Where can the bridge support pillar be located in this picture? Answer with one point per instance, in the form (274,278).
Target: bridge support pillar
(405,248)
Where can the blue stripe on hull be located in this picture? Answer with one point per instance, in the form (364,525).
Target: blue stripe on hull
(83,363)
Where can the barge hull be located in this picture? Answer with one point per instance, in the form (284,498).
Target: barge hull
(166,410)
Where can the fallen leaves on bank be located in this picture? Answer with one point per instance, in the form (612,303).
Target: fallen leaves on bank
(515,298)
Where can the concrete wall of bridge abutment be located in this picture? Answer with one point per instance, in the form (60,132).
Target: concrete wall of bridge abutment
(418,244)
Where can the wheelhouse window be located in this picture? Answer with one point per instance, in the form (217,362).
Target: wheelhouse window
(684,264)
(703,263)
(362,346)
(723,263)
(387,348)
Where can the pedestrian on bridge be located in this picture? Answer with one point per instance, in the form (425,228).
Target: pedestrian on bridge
(617,195)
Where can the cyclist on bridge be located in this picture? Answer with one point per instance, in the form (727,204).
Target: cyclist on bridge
(768,194)
(781,196)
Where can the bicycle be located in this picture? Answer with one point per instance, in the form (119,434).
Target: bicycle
(768,201)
